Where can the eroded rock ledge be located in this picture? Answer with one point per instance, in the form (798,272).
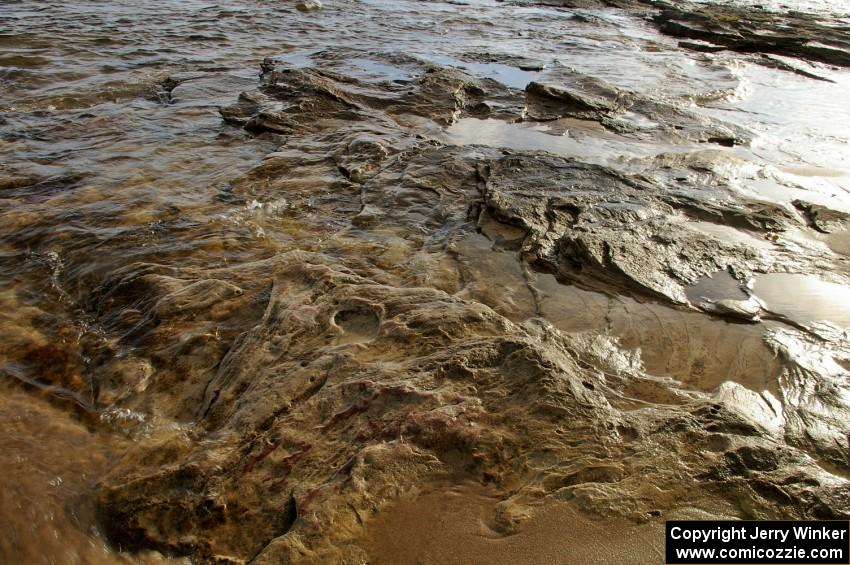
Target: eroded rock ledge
(713,27)
(315,386)
(312,422)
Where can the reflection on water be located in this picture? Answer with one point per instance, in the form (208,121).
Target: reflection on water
(567,137)
(807,147)
(804,298)
(720,286)
(730,234)
(509,75)
(700,351)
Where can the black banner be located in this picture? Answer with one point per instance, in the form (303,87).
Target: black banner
(700,542)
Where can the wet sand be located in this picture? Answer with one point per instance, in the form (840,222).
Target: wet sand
(453,526)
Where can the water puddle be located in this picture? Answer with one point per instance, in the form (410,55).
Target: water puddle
(730,234)
(839,242)
(804,298)
(372,70)
(699,351)
(720,286)
(493,277)
(809,171)
(358,324)
(800,131)
(297,59)
(511,76)
(375,71)
(569,137)
(362,68)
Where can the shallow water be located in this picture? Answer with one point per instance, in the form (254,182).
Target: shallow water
(105,163)
(805,298)
(49,459)
(570,138)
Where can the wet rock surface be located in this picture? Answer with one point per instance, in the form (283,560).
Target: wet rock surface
(305,352)
(713,27)
(753,30)
(306,435)
(336,381)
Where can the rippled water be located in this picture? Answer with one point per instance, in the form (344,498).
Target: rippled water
(105,162)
